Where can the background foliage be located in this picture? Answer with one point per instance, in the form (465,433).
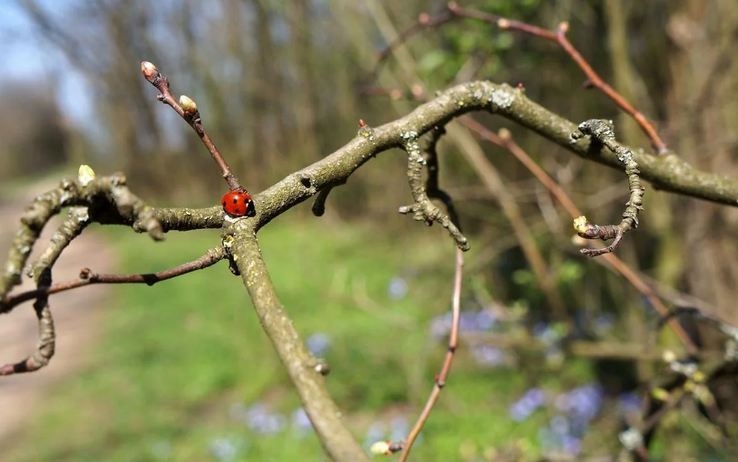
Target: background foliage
(281,84)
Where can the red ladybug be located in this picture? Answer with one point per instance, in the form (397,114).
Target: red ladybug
(238,203)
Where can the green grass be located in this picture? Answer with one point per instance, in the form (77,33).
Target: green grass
(176,359)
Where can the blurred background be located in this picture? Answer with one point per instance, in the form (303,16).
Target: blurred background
(559,354)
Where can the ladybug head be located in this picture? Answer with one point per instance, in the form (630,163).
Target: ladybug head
(250,207)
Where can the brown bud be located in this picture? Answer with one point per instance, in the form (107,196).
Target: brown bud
(188,105)
(149,71)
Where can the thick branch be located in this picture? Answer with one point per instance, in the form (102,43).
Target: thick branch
(108,201)
(304,370)
(667,172)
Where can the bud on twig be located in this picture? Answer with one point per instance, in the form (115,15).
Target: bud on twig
(188,105)
(85,174)
(149,71)
(380,448)
(580,224)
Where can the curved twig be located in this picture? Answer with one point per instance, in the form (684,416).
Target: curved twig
(423,209)
(602,131)
(453,342)
(504,140)
(76,222)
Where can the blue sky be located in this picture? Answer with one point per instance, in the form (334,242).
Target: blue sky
(26,55)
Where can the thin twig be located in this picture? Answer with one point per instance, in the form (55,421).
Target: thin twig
(504,140)
(187,109)
(440,382)
(453,10)
(77,220)
(88,277)
(602,132)
(596,81)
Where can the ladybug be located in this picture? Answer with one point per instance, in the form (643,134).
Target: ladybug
(238,203)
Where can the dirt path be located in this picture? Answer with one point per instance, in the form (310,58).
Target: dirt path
(77,315)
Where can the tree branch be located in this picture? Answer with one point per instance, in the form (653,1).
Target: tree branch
(305,371)
(88,277)
(109,201)
(187,109)
(664,172)
(454,11)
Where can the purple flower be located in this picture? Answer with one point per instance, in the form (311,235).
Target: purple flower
(375,432)
(582,403)
(629,403)
(399,428)
(488,355)
(226,448)
(258,418)
(527,405)
(318,344)
(397,288)
(571,444)
(560,436)
(301,422)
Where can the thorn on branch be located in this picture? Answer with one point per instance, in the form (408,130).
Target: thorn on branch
(602,132)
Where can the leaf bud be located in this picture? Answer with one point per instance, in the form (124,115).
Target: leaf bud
(188,105)
(149,71)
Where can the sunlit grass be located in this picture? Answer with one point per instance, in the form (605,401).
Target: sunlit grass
(182,363)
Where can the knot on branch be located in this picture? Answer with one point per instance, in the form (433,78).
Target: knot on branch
(424,209)
(602,133)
